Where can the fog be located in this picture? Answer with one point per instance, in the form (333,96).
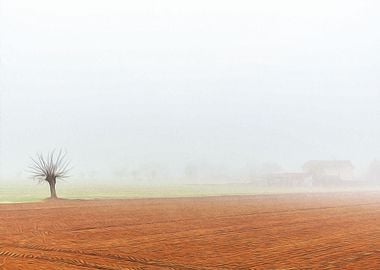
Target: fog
(188,91)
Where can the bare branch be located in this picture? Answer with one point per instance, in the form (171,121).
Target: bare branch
(50,168)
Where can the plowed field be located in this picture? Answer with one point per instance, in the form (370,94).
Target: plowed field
(299,231)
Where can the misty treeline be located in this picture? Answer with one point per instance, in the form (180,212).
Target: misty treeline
(207,172)
(373,173)
(55,166)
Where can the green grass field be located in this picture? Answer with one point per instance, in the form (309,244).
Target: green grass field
(32,193)
(38,192)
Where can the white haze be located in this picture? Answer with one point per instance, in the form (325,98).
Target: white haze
(182,89)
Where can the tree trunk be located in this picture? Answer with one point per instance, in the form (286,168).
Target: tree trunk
(53,193)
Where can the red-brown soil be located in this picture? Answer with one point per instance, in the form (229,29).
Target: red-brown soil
(299,231)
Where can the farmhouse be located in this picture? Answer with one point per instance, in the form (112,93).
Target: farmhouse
(325,172)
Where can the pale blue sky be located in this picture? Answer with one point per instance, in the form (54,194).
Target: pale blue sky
(128,85)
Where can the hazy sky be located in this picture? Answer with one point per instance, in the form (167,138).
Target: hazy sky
(126,86)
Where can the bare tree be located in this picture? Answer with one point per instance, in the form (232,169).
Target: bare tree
(50,168)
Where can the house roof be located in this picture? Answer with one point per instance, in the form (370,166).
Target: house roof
(327,164)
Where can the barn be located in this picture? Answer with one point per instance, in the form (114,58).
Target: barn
(329,172)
